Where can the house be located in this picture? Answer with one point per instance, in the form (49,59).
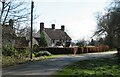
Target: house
(8,34)
(9,37)
(54,37)
(21,42)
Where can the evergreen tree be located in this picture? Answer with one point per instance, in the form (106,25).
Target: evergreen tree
(42,40)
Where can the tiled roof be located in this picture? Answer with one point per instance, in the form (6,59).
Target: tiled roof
(21,42)
(56,34)
(7,31)
(36,35)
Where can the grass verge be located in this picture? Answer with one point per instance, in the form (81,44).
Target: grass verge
(102,67)
(11,60)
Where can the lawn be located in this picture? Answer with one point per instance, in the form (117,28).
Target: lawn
(102,67)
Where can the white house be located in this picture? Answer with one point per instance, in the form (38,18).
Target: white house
(55,37)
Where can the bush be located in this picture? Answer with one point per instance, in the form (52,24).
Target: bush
(55,50)
(42,53)
(42,41)
(8,50)
(27,52)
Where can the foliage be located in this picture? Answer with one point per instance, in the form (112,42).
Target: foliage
(26,53)
(109,25)
(11,56)
(12,60)
(17,10)
(42,41)
(42,53)
(102,67)
(12,9)
(81,43)
(8,50)
(25,32)
(92,42)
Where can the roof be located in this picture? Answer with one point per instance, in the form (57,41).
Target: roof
(55,34)
(21,42)
(8,31)
(37,38)
(36,35)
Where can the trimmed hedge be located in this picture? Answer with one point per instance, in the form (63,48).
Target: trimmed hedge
(55,50)
(73,50)
(91,49)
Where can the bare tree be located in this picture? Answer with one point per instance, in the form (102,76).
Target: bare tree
(109,24)
(18,10)
(25,32)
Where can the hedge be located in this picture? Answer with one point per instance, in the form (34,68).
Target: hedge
(55,50)
(73,50)
(101,48)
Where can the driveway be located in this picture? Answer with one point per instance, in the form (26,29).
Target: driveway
(50,66)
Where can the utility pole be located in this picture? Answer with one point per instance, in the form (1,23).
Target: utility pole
(32,6)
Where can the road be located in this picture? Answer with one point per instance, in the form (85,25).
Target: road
(50,66)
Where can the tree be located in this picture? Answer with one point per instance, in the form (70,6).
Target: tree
(109,25)
(81,42)
(25,32)
(17,10)
(42,40)
(92,42)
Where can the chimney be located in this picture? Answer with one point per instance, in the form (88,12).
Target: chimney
(11,23)
(62,27)
(41,26)
(53,26)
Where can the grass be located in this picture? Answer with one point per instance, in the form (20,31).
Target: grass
(102,67)
(11,60)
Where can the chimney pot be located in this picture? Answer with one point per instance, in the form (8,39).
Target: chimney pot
(53,26)
(41,26)
(62,27)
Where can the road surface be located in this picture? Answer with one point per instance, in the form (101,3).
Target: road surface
(50,66)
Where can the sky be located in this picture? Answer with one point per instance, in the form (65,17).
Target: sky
(78,16)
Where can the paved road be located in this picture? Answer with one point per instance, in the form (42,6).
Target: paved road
(50,66)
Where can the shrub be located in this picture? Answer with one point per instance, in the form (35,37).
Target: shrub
(8,50)
(42,53)
(26,52)
(56,50)
(42,41)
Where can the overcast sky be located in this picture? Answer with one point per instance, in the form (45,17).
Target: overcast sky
(78,16)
